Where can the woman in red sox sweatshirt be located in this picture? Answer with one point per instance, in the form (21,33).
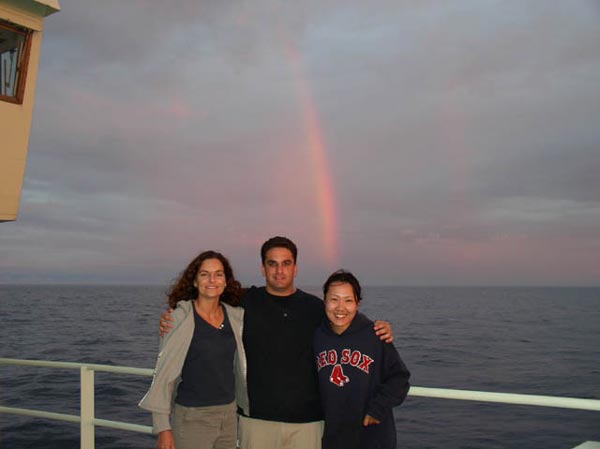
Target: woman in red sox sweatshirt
(361,378)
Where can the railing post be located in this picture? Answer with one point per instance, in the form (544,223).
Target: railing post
(87,408)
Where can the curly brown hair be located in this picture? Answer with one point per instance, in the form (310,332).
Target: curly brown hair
(183,288)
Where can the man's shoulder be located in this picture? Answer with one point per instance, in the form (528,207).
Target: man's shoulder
(306,294)
(308,297)
(260,297)
(311,304)
(253,292)
(252,295)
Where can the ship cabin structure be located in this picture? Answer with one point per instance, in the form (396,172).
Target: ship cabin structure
(21,25)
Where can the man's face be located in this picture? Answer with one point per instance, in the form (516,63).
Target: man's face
(279,271)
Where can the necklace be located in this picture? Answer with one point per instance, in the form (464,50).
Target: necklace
(216,320)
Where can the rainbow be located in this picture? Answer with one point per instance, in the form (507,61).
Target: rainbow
(318,154)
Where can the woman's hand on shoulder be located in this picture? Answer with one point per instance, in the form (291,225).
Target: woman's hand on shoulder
(166,440)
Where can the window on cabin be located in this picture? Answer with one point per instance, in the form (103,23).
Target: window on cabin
(14,56)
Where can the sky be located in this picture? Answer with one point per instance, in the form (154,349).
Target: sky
(412,142)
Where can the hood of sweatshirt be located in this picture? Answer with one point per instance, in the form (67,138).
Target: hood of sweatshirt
(358,323)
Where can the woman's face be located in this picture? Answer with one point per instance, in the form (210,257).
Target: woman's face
(341,306)
(210,280)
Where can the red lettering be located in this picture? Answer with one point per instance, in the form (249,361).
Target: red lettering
(355,358)
(331,357)
(345,356)
(321,363)
(366,361)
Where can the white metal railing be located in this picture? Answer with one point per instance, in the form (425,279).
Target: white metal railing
(88,421)
(507,398)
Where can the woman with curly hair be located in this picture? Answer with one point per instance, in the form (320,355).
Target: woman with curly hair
(201,368)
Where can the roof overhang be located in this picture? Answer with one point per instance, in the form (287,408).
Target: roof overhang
(41,8)
(51,6)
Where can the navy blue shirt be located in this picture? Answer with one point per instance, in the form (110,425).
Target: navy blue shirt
(207,376)
(358,375)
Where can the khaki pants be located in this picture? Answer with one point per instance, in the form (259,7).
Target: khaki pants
(259,434)
(212,427)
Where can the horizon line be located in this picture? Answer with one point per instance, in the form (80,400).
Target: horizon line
(303,286)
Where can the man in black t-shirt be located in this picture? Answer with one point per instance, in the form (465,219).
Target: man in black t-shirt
(279,325)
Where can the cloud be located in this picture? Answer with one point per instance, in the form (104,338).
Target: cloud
(461,140)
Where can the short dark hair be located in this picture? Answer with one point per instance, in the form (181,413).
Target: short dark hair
(344,277)
(278,242)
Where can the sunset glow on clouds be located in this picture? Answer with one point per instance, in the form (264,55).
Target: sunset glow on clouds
(415,143)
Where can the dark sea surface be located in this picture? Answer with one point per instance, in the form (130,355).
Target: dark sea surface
(519,340)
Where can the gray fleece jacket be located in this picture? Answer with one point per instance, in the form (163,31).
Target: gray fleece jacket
(172,352)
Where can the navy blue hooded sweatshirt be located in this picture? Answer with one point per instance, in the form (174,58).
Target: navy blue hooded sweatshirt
(358,375)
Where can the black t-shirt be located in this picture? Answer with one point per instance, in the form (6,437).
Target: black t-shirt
(207,375)
(282,376)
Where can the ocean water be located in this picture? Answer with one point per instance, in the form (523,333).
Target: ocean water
(520,340)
